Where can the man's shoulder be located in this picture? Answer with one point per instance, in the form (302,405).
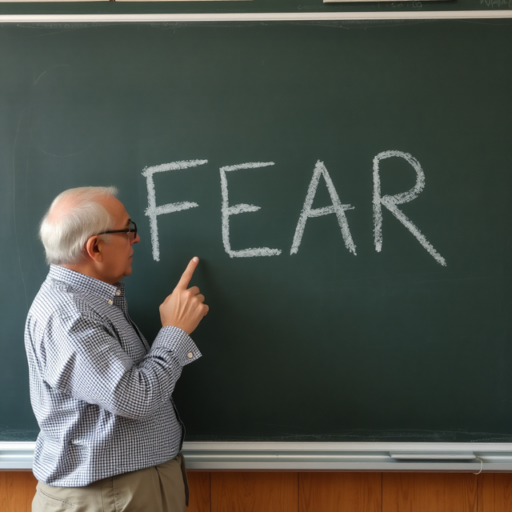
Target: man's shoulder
(58,298)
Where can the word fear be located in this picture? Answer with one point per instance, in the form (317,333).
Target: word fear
(338,209)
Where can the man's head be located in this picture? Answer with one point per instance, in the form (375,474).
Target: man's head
(70,232)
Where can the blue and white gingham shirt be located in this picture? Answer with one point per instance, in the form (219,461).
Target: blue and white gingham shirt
(101,395)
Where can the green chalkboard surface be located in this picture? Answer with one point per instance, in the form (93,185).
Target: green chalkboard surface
(369,298)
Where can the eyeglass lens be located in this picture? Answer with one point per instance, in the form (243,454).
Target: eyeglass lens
(133,230)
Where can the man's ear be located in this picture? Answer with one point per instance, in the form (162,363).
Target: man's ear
(93,248)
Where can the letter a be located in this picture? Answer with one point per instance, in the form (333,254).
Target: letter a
(336,208)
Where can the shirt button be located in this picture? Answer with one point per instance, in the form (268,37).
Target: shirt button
(110,302)
(118,292)
(190,355)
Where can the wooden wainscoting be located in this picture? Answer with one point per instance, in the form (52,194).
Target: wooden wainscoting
(17,488)
(317,492)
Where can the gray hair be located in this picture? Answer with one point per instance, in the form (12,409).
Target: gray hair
(64,236)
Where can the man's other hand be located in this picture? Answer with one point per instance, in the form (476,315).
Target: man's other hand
(184,307)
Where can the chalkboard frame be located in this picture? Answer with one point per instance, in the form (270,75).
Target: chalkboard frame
(253,17)
(297,456)
(292,456)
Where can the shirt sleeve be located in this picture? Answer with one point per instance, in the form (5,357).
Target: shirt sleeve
(84,360)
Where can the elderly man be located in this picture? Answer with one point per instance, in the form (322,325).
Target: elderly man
(110,435)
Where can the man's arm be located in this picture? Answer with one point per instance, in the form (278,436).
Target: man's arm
(85,360)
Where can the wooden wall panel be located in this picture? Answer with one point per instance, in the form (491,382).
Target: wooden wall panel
(317,492)
(254,492)
(429,492)
(17,489)
(340,492)
(199,484)
(495,492)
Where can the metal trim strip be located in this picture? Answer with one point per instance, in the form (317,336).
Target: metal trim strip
(252,17)
(255,456)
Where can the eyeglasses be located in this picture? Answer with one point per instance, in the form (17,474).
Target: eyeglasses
(131,230)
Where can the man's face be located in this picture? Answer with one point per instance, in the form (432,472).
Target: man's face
(117,255)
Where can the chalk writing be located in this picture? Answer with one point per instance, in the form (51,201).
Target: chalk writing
(227,211)
(391,202)
(153,211)
(496,3)
(337,208)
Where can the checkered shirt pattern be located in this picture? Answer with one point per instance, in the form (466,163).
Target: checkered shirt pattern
(100,393)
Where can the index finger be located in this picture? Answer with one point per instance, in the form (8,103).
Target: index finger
(187,275)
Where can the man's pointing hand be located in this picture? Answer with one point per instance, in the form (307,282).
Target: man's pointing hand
(184,308)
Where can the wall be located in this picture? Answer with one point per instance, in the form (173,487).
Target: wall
(318,492)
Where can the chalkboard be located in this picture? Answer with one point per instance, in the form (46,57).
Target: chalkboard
(368,298)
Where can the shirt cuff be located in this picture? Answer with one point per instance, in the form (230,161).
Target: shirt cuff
(179,342)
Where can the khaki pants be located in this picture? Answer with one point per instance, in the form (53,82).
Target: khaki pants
(161,488)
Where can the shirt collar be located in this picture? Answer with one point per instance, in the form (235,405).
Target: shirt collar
(86,284)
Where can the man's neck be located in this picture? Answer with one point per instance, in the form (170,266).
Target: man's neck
(87,270)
